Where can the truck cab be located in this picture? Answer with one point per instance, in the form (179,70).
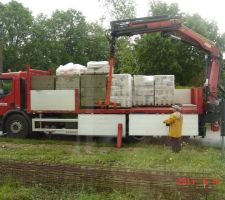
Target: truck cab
(14,100)
(12,92)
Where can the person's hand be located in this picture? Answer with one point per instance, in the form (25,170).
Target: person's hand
(167,124)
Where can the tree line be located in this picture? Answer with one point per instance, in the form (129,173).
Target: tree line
(66,36)
(47,42)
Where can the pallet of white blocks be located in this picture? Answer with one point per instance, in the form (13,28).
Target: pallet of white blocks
(121,90)
(98,67)
(164,90)
(143,91)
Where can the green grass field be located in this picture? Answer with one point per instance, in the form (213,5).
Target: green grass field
(14,191)
(193,158)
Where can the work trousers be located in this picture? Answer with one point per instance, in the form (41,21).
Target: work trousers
(176,144)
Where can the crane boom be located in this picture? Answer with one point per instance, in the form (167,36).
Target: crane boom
(162,24)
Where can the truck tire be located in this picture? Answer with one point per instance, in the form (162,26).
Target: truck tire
(16,126)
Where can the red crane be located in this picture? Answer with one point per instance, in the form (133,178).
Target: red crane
(174,28)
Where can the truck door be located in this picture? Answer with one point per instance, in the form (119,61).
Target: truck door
(7,95)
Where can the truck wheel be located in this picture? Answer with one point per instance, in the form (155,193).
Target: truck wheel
(16,126)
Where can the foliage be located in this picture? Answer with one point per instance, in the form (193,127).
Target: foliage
(126,58)
(157,55)
(15,24)
(151,54)
(46,42)
(97,43)
(120,9)
(158,8)
(42,50)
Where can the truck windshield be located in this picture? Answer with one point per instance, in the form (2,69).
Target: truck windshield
(5,86)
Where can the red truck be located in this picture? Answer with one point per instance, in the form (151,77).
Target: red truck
(25,111)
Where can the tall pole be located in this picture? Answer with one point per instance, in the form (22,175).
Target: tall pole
(1,55)
(222,130)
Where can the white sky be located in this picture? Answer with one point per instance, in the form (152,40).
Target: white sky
(92,10)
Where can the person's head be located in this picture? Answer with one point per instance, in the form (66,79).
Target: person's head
(176,108)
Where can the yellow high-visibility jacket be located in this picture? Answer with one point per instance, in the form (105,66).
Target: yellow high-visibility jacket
(175,122)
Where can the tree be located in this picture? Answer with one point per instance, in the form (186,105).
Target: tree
(119,9)
(1,55)
(15,23)
(157,55)
(80,40)
(47,42)
(158,8)
(42,50)
(126,58)
(65,37)
(97,43)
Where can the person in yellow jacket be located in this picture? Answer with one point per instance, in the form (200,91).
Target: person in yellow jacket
(175,122)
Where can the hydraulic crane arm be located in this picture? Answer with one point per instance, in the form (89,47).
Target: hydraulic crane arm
(171,27)
(165,25)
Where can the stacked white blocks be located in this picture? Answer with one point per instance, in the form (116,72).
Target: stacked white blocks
(121,90)
(164,90)
(100,67)
(143,90)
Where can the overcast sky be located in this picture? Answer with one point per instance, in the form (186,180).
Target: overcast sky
(211,10)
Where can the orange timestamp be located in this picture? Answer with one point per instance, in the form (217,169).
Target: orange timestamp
(190,181)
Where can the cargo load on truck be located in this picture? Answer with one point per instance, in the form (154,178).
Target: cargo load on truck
(121,91)
(164,90)
(71,69)
(144,90)
(98,67)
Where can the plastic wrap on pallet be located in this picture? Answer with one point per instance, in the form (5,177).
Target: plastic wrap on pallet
(123,101)
(97,64)
(122,80)
(164,81)
(103,70)
(97,67)
(145,100)
(141,80)
(143,90)
(165,92)
(71,69)
(121,89)
(163,101)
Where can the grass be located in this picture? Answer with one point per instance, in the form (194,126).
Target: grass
(15,191)
(192,158)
